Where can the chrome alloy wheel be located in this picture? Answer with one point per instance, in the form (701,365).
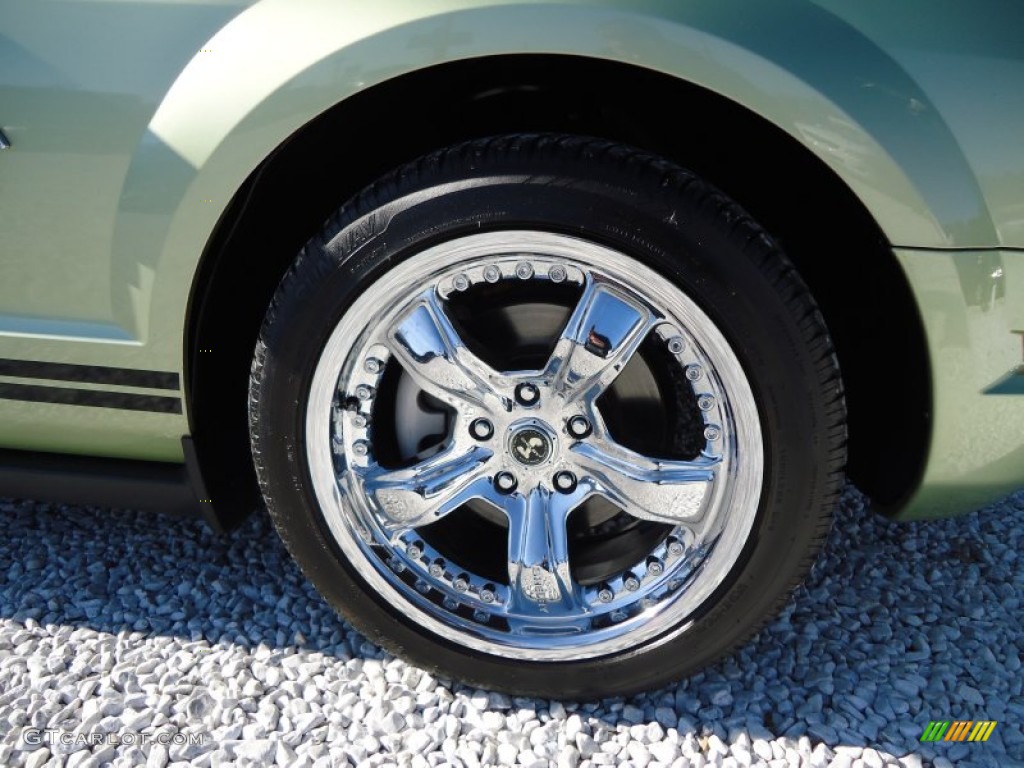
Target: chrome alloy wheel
(411,425)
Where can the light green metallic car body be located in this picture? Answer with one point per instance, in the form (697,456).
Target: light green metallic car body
(133,124)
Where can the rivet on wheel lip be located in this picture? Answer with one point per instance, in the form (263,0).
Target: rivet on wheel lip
(524,270)
(706,402)
(711,432)
(364,392)
(373,365)
(676,345)
(605,594)
(460,282)
(492,274)
(557,273)
(694,372)
(360,448)
(675,547)
(488,593)
(654,566)
(360,420)
(481,616)
(414,550)
(461,582)
(631,582)
(436,569)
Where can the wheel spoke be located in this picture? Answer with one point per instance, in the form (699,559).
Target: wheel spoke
(433,353)
(538,552)
(427,491)
(603,332)
(664,491)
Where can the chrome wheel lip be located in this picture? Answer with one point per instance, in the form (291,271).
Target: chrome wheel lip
(335,450)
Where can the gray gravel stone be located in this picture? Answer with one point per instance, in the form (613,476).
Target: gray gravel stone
(115,622)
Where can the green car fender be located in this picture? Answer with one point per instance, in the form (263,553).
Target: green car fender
(273,68)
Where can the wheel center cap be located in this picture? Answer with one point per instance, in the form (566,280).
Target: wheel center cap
(530,446)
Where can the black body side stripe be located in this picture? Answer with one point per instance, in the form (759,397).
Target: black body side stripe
(93,374)
(97,399)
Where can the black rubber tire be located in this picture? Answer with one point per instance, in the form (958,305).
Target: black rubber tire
(640,205)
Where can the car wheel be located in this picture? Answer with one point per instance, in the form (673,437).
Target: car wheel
(548,415)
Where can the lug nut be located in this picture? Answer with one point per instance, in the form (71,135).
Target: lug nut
(605,594)
(631,582)
(360,448)
(564,481)
(505,482)
(524,270)
(676,345)
(492,274)
(460,282)
(488,594)
(557,273)
(527,394)
(364,392)
(578,427)
(373,365)
(481,429)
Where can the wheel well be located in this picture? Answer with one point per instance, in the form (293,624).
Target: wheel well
(834,242)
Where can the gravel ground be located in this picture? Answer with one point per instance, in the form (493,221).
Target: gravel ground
(144,626)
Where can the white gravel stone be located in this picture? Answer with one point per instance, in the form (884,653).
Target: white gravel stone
(568,757)
(872,759)
(157,757)
(573,726)
(587,745)
(507,754)
(639,755)
(37,758)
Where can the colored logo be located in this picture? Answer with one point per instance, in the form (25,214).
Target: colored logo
(958,730)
